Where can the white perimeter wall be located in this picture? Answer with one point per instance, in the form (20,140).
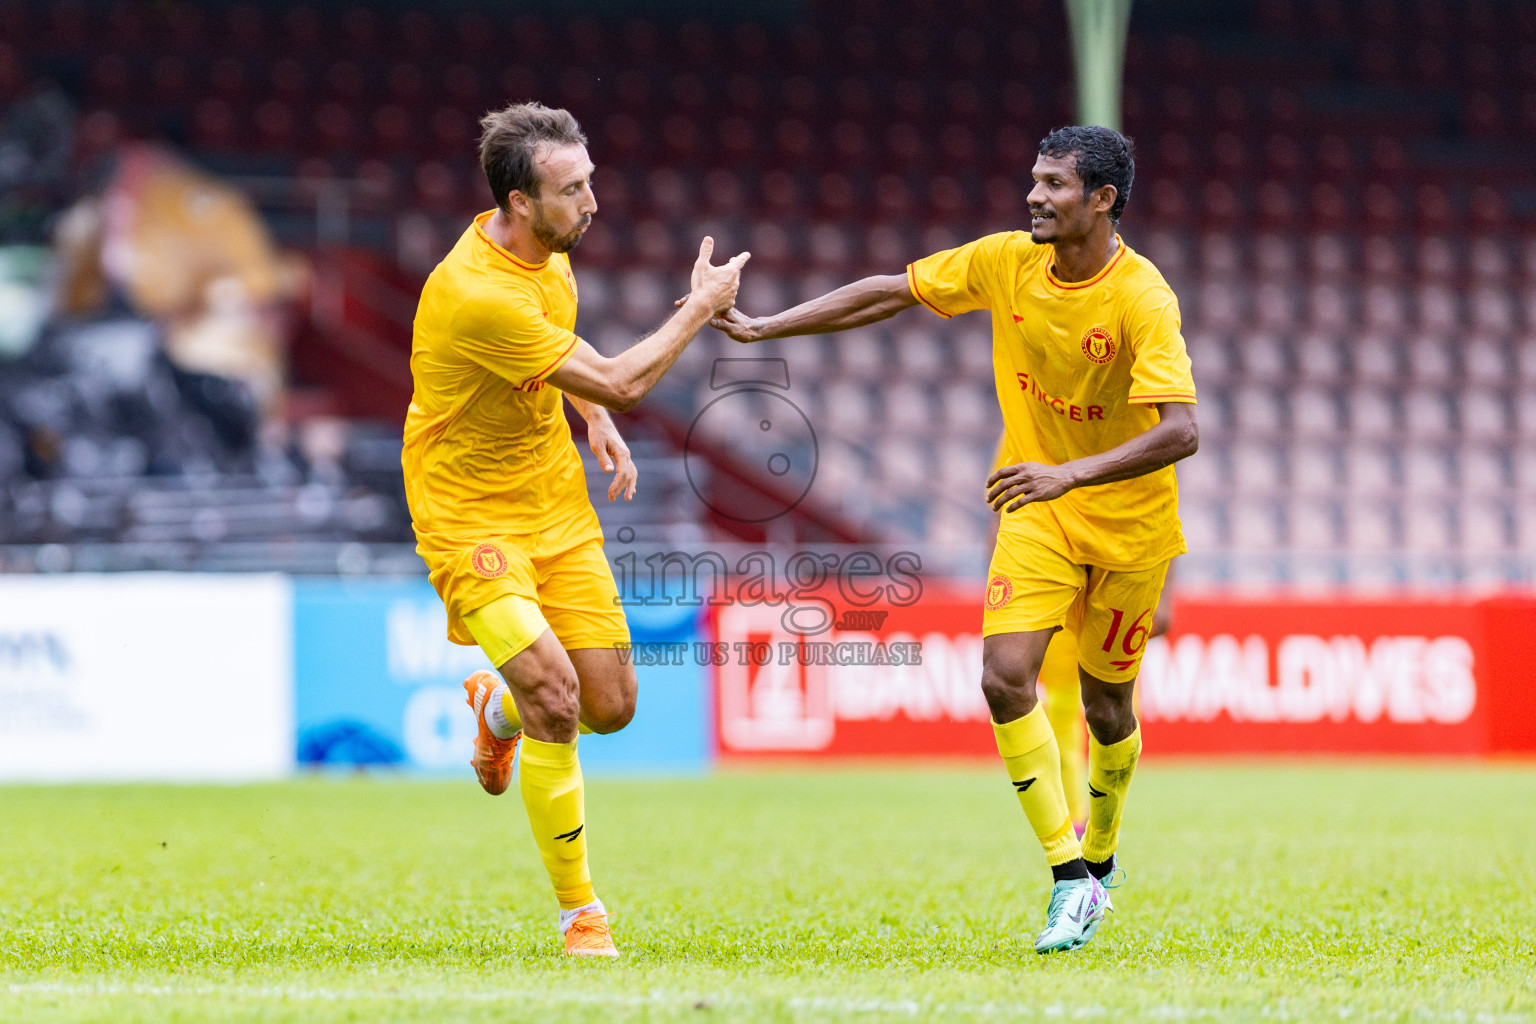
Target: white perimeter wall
(146,676)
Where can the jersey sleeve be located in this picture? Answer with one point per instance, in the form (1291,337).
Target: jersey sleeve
(1160,370)
(959,280)
(513,338)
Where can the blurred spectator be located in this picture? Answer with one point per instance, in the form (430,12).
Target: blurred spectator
(174,245)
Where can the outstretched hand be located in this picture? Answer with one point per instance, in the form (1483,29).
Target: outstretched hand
(737,326)
(734,324)
(716,286)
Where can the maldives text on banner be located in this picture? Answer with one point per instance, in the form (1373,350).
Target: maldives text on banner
(1337,676)
(145,676)
(1366,676)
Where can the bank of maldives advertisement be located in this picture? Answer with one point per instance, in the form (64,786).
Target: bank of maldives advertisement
(1236,676)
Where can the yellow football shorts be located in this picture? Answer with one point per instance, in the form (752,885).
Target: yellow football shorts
(503,592)
(506,627)
(1030,587)
(1058,672)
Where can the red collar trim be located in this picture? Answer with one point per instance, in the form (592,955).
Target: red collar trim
(1096,278)
(480,230)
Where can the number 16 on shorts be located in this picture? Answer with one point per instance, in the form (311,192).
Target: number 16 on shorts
(1117,621)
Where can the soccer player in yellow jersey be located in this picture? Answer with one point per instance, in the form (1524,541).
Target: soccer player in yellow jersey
(1098,403)
(495,485)
(1063,691)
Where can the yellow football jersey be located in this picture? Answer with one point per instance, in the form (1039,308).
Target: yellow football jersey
(1078,368)
(487,448)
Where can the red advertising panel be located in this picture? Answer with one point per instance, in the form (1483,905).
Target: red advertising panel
(1340,676)
(1235,677)
(882,680)
(1507,663)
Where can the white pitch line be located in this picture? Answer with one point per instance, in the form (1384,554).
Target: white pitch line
(328,994)
(812,1004)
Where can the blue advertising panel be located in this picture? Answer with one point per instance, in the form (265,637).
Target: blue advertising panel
(378,683)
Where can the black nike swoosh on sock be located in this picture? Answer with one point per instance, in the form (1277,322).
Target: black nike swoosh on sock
(570,837)
(1095,793)
(1022,786)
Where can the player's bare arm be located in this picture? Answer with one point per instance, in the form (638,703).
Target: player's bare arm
(1175,436)
(853,305)
(1060,214)
(611,451)
(620,382)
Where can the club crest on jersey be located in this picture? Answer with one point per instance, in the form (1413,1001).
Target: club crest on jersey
(999,592)
(488,561)
(1098,345)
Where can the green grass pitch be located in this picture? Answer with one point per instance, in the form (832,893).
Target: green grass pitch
(1257,891)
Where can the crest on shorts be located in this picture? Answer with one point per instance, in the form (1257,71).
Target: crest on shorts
(999,592)
(1098,345)
(488,561)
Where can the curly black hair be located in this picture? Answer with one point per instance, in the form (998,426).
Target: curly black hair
(1104,157)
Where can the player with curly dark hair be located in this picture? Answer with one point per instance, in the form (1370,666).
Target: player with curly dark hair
(1098,403)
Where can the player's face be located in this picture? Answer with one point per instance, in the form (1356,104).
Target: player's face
(1058,210)
(566,202)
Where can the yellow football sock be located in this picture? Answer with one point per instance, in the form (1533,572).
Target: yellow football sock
(1064,707)
(549,777)
(509,709)
(1034,764)
(1065,712)
(1109,778)
(515,719)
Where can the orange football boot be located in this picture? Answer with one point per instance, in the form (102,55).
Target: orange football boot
(588,935)
(493,757)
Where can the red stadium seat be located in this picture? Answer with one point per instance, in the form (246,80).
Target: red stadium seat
(1254,525)
(1429,526)
(1484,527)
(416,32)
(393,130)
(1314,469)
(1315,414)
(1485,362)
(1427,416)
(406,84)
(274,126)
(907,411)
(1372,415)
(345,81)
(1259,413)
(334,127)
(303,30)
(1311,524)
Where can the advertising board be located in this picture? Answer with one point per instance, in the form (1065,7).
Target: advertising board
(378,683)
(1237,676)
(145,676)
(882,680)
(1338,676)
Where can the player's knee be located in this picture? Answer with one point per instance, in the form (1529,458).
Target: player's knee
(1009,688)
(1109,712)
(555,695)
(610,715)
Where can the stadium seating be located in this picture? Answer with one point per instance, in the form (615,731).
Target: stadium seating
(1329,187)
